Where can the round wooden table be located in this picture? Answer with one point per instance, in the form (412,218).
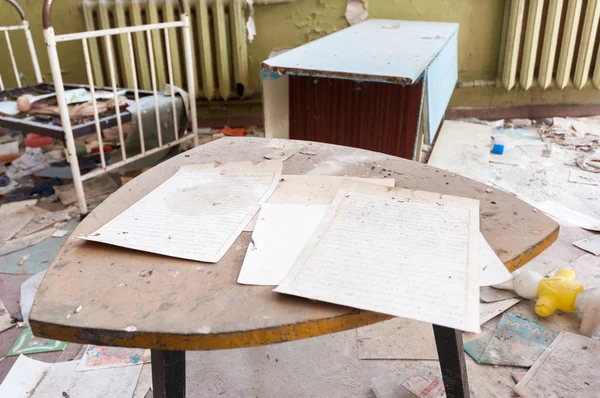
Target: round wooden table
(137,299)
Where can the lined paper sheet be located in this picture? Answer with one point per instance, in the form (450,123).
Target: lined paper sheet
(400,252)
(197,214)
(312,190)
(280,234)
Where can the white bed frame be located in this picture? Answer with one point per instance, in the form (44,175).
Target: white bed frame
(167,28)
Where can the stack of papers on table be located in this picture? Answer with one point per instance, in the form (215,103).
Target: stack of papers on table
(349,241)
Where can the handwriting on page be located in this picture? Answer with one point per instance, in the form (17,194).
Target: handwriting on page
(193,215)
(397,257)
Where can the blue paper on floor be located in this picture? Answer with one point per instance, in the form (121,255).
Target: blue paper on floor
(515,342)
(40,257)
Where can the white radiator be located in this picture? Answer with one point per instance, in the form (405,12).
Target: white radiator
(219,44)
(550,44)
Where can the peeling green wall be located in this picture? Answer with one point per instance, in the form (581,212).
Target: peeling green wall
(291,24)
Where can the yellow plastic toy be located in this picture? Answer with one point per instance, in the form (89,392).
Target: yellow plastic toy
(558,292)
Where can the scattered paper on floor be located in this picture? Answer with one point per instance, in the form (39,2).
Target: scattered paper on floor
(279,236)
(15,216)
(197,214)
(515,342)
(489,294)
(568,368)
(5,318)
(400,252)
(101,357)
(29,378)
(28,344)
(590,244)
(144,383)
(28,290)
(390,386)
(571,216)
(489,311)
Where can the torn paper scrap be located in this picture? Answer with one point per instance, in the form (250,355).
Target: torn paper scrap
(197,214)
(28,344)
(489,294)
(516,342)
(356,12)
(280,234)
(29,378)
(424,387)
(568,368)
(101,357)
(28,290)
(144,383)
(583,177)
(390,386)
(492,270)
(382,249)
(590,244)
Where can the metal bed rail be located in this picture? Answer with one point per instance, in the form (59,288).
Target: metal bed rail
(106,35)
(24,26)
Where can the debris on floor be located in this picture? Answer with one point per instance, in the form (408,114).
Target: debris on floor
(28,344)
(515,342)
(590,244)
(35,379)
(390,386)
(100,357)
(568,368)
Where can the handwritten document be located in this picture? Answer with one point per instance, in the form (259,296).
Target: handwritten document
(280,234)
(400,252)
(312,190)
(197,214)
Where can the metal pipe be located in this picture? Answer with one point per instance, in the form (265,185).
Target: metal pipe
(64,116)
(97,172)
(153,77)
(18,8)
(33,54)
(189,66)
(88,68)
(136,94)
(113,81)
(12,58)
(171,83)
(117,31)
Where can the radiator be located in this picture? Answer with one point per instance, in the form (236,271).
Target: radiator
(550,44)
(219,44)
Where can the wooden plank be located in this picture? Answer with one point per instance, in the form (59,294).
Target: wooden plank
(355,52)
(186,305)
(463,148)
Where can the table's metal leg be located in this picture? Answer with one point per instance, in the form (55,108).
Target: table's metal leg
(452,361)
(168,374)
